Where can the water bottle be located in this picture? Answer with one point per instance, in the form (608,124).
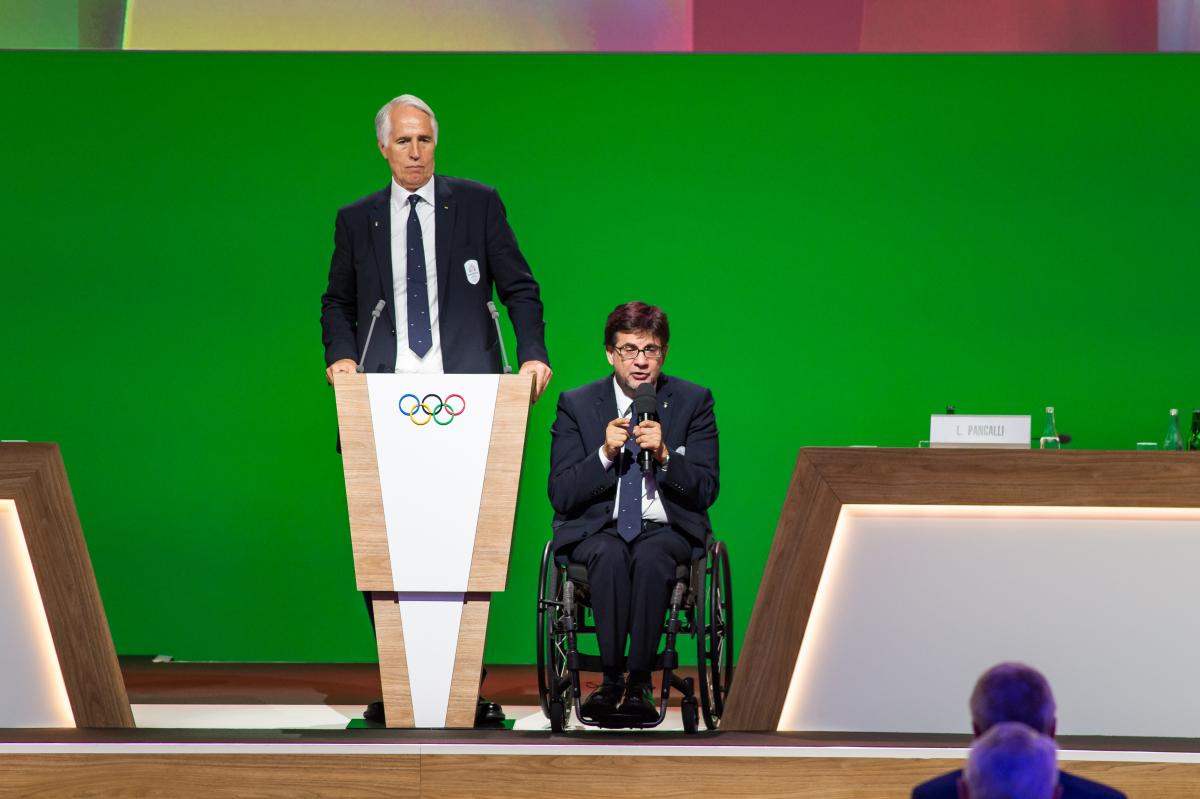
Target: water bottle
(1194,438)
(1173,442)
(1049,439)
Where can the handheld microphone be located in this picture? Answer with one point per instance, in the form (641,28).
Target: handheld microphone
(496,321)
(367,344)
(645,408)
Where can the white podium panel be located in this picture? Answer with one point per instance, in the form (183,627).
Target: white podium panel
(431,623)
(431,469)
(915,602)
(32,690)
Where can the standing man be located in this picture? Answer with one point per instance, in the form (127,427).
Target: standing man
(631,528)
(431,247)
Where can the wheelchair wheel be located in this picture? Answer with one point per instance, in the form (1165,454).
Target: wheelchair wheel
(691,721)
(558,716)
(714,657)
(553,679)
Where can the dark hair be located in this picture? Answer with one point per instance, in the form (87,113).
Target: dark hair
(637,317)
(1013,692)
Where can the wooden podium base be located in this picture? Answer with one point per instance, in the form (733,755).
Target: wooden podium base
(416,635)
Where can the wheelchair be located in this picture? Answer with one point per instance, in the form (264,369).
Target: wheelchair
(701,605)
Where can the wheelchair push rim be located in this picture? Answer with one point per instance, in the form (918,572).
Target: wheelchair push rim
(551,645)
(714,641)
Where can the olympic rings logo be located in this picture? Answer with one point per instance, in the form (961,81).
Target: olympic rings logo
(442,412)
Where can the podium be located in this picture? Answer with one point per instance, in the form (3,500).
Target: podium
(432,465)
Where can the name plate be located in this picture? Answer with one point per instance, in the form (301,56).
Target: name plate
(960,430)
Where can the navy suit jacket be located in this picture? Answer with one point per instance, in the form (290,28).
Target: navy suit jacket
(582,491)
(946,787)
(470,225)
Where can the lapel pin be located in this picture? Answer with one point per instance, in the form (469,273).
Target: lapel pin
(665,403)
(376,223)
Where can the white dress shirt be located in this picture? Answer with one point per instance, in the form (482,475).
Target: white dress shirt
(407,360)
(652,506)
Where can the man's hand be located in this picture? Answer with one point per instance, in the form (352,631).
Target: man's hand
(615,436)
(345,366)
(541,376)
(648,435)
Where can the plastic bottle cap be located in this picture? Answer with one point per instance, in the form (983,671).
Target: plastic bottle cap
(1049,409)
(1174,411)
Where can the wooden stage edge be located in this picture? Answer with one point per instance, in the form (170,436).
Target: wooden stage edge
(368,763)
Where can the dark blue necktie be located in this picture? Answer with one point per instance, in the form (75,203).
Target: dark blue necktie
(420,334)
(629,514)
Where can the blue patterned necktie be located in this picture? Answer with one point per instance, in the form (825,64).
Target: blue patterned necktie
(629,514)
(420,334)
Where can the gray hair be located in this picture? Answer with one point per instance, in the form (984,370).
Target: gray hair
(383,120)
(1012,761)
(1013,692)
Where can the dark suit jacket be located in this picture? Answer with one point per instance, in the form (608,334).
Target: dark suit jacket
(582,491)
(470,224)
(946,787)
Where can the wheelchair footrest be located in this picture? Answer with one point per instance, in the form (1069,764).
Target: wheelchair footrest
(617,721)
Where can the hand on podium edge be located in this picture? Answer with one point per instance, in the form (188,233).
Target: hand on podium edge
(541,376)
(346,366)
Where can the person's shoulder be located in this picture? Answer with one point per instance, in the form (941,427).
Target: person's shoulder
(588,392)
(943,786)
(464,187)
(1075,787)
(365,203)
(680,386)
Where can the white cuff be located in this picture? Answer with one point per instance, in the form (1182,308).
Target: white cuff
(604,461)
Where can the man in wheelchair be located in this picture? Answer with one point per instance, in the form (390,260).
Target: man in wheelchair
(631,485)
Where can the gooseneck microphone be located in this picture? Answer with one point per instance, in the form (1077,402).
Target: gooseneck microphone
(496,321)
(362,358)
(645,408)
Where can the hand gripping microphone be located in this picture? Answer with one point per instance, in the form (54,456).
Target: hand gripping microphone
(645,408)
(362,358)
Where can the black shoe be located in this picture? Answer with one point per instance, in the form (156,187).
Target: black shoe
(639,702)
(374,713)
(602,702)
(488,714)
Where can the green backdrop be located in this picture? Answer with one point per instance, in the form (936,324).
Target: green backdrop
(844,245)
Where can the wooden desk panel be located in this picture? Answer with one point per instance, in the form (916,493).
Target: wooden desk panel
(827,478)
(34,477)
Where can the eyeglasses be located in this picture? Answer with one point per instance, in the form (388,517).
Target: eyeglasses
(628,352)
